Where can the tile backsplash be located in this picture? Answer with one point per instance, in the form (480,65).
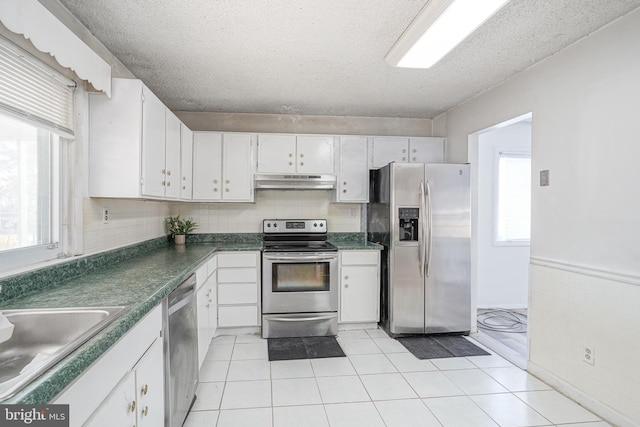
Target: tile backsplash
(247,217)
(130,221)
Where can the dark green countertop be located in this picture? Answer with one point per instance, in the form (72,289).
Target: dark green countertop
(140,282)
(352,241)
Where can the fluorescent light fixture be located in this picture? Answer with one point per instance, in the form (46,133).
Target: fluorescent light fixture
(439,27)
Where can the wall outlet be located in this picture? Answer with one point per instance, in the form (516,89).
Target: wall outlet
(105,215)
(544,178)
(589,354)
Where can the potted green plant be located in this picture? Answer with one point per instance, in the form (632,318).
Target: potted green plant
(179,228)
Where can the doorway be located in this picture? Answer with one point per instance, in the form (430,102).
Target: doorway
(500,159)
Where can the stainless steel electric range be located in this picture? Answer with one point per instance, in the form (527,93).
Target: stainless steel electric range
(299,279)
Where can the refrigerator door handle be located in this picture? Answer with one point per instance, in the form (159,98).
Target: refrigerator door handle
(429,229)
(423,226)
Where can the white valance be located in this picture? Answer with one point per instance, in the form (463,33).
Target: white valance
(49,35)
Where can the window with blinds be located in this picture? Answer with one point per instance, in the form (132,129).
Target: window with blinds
(36,113)
(513,210)
(34,92)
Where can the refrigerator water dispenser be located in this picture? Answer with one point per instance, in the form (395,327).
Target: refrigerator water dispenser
(408,224)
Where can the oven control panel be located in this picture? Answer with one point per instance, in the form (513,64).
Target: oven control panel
(294,226)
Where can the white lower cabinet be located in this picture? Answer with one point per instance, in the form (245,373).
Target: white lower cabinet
(206,277)
(238,289)
(359,286)
(138,400)
(125,387)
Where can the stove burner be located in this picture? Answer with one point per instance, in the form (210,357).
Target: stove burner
(300,235)
(299,247)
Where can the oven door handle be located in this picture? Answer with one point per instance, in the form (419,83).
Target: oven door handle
(298,257)
(272,318)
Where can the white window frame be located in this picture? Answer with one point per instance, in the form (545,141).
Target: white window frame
(53,114)
(16,258)
(498,154)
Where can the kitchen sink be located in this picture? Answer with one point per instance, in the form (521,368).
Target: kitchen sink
(42,337)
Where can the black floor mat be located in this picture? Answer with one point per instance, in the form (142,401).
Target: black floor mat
(440,346)
(303,348)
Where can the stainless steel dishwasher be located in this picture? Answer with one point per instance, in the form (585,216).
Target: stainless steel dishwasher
(181,352)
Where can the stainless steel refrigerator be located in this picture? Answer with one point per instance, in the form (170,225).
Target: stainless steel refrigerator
(421,214)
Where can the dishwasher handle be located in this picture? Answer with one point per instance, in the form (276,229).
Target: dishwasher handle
(183,294)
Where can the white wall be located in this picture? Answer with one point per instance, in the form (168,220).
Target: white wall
(586,224)
(295,123)
(502,271)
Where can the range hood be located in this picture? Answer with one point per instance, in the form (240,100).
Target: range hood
(295,182)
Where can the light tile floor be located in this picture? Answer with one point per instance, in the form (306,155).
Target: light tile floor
(379,383)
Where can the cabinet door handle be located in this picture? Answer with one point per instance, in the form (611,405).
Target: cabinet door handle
(168,183)
(145,411)
(168,172)
(301,163)
(301,155)
(346,285)
(145,389)
(132,406)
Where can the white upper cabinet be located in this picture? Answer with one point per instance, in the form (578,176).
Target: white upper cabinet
(207,165)
(310,154)
(237,172)
(427,150)
(134,144)
(353,172)
(402,150)
(315,154)
(186,159)
(172,161)
(277,153)
(153,144)
(223,167)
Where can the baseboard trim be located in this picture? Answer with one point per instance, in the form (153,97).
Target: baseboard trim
(602,410)
(353,326)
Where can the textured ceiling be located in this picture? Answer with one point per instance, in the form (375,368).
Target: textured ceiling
(323,57)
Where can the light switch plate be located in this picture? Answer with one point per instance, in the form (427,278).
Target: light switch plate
(544,178)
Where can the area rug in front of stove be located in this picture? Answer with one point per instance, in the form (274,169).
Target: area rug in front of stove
(303,348)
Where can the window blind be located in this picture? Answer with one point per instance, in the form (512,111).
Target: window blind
(33,91)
